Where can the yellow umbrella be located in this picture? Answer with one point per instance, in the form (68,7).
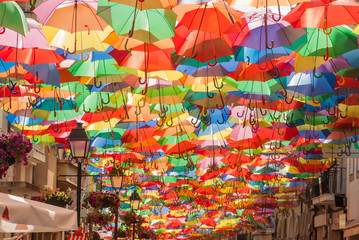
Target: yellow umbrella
(86,41)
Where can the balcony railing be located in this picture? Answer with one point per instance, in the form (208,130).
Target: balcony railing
(331,184)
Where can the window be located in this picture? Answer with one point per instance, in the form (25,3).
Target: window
(351,169)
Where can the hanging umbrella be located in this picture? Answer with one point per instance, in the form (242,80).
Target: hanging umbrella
(30,56)
(155,4)
(214,17)
(149,25)
(327,14)
(35,38)
(86,41)
(12,17)
(317,43)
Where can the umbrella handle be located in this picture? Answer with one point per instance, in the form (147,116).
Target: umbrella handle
(138,113)
(144,91)
(162,122)
(208,94)
(314,134)
(171,124)
(17,120)
(35,140)
(37,88)
(325,31)
(327,122)
(342,78)
(317,102)
(213,64)
(32,2)
(57,129)
(280,14)
(95,84)
(343,116)
(183,108)
(203,112)
(84,109)
(314,74)
(209,121)
(84,59)
(2,30)
(215,82)
(106,121)
(265,111)
(222,120)
(266,65)
(227,113)
(74,51)
(127,50)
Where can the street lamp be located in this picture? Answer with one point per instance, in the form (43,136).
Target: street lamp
(135,205)
(80,146)
(116,177)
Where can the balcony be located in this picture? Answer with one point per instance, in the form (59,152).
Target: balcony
(67,172)
(329,189)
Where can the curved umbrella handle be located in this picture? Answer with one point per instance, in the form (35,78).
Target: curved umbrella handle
(213,64)
(2,30)
(74,51)
(342,78)
(314,73)
(215,82)
(95,83)
(280,13)
(84,59)
(326,30)
(125,46)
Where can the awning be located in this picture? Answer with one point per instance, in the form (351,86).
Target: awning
(24,215)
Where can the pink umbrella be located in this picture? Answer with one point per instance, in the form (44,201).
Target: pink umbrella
(35,38)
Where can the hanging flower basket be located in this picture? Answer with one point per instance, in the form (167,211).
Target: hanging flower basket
(55,197)
(99,200)
(99,218)
(13,148)
(129,218)
(122,234)
(147,234)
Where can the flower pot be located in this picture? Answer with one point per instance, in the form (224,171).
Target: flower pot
(56,202)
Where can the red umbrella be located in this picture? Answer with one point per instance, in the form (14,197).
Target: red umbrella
(29,56)
(342,12)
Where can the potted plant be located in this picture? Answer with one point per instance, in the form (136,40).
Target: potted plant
(99,200)
(55,197)
(129,218)
(13,148)
(99,218)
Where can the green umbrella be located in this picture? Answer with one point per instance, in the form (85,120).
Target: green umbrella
(13,17)
(98,68)
(340,40)
(149,26)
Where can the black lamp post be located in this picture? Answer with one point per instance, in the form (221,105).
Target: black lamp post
(135,205)
(80,146)
(116,182)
